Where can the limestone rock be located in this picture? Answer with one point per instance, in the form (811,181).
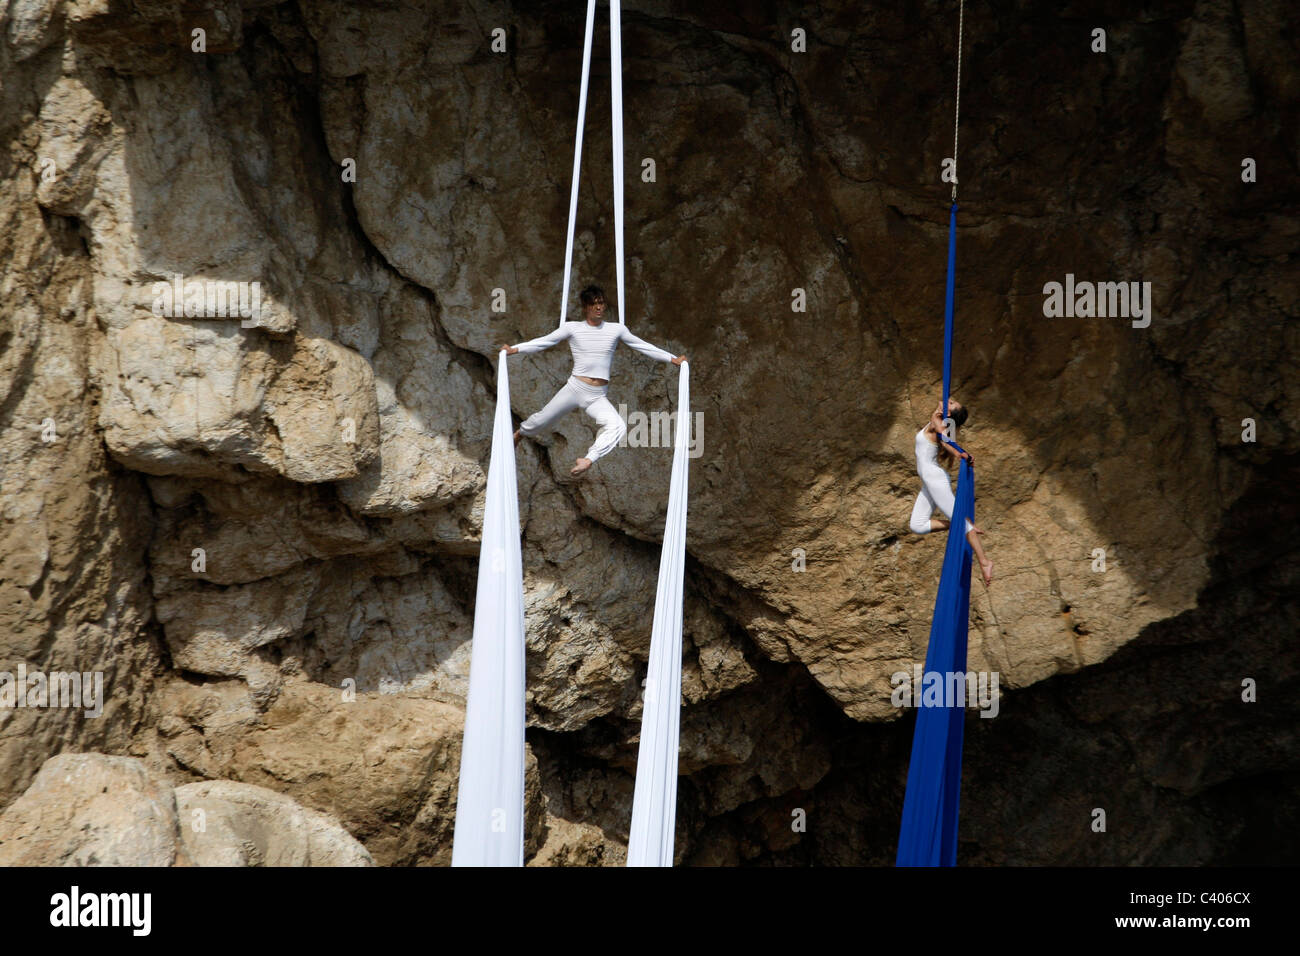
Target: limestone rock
(238,824)
(92,810)
(383,764)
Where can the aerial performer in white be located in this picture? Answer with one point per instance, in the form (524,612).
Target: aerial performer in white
(593,341)
(936,492)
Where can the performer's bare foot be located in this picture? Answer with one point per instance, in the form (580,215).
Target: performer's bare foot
(518,437)
(986,566)
(581,465)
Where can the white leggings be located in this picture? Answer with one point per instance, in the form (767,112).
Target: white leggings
(935,493)
(591,399)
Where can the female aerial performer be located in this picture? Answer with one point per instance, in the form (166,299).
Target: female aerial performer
(935,490)
(593,342)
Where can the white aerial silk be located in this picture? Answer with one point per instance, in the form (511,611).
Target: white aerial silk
(490,802)
(616,117)
(577,165)
(654,801)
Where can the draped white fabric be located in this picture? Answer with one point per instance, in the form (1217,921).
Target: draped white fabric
(490,802)
(616,117)
(577,163)
(654,801)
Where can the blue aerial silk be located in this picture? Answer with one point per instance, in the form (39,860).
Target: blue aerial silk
(928,835)
(947,305)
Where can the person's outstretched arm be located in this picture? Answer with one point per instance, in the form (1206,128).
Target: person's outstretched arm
(545,342)
(645,348)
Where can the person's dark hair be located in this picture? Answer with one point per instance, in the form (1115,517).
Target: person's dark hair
(591,295)
(948,458)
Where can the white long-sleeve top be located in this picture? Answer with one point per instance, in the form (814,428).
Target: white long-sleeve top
(593,346)
(933,478)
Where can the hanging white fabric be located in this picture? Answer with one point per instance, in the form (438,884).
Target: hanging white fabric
(490,801)
(577,163)
(616,118)
(654,801)
(490,812)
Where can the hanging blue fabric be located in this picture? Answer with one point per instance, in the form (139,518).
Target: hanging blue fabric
(947,305)
(928,835)
(948,296)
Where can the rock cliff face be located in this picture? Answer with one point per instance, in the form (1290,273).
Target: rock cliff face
(263,531)
(93,810)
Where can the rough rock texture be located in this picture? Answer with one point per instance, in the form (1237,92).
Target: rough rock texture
(383,765)
(237,824)
(93,810)
(264,532)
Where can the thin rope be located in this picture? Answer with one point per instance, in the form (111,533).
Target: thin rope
(956,112)
(952,235)
(577,162)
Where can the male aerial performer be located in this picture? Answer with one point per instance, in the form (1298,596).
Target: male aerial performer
(593,341)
